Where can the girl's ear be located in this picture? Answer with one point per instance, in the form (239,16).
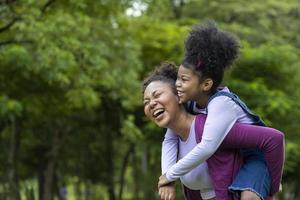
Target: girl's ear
(207,84)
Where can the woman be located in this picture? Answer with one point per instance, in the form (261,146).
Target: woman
(161,105)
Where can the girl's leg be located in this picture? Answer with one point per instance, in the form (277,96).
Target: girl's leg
(253,181)
(248,195)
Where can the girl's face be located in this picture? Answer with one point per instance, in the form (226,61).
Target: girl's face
(160,103)
(188,85)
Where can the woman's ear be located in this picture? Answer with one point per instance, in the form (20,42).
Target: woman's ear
(207,84)
(177,98)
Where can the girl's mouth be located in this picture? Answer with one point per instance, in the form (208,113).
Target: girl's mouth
(179,93)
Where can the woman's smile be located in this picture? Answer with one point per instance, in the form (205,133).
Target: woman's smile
(160,103)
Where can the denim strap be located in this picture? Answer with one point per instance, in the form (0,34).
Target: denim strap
(238,101)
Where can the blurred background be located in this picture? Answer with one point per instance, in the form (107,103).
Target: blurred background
(71,118)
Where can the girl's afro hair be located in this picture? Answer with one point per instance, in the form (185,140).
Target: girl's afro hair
(211,46)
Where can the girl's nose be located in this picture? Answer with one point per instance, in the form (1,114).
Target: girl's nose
(177,83)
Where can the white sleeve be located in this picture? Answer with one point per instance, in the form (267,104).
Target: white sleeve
(169,151)
(222,114)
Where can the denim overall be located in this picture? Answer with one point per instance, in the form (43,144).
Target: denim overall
(254,175)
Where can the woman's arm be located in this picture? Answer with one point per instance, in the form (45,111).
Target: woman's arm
(169,151)
(222,114)
(269,140)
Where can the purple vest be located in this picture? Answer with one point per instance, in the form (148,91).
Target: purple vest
(223,167)
(226,161)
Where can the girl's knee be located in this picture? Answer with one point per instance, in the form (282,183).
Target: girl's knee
(248,195)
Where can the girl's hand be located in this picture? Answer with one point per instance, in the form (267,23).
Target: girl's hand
(163,181)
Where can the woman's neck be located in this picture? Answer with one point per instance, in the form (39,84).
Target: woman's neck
(182,124)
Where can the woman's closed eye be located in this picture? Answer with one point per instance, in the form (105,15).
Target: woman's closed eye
(146,102)
(157,95)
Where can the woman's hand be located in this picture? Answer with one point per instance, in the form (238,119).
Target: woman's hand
(163,181)
(167,192)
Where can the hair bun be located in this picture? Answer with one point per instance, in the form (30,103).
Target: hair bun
(212,46)
(166,72)
(167,69)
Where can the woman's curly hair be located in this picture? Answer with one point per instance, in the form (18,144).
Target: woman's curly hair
(210,51)
(166,72)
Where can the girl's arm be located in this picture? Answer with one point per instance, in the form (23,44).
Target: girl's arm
(269,140)
(169,151)
(222,114)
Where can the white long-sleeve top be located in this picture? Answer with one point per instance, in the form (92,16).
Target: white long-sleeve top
(223,112)
(198,178)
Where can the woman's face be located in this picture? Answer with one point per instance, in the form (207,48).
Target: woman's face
(188,85)
(160,103)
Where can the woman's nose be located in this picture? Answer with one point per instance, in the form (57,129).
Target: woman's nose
(152,104)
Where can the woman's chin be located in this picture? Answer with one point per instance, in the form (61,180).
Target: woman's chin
(160,126)
(163,123)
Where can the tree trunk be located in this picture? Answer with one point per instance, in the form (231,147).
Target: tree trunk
(3,194)
(12,160)
(48,164)
(41,177)
(110,167)
(136,179)
(177,8)
(77,190)
(49,173)
(49,177)
(112,119)
(29,193)
(144,161)
(123,169)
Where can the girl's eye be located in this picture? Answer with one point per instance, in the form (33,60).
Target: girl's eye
(184,79)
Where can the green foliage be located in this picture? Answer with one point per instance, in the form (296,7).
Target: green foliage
(9,107)
(278,61)
(130,131)
(269,104)
(292,155)
(71,72)
(162,41)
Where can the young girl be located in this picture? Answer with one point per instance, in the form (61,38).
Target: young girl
(161,105)
(209,52)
